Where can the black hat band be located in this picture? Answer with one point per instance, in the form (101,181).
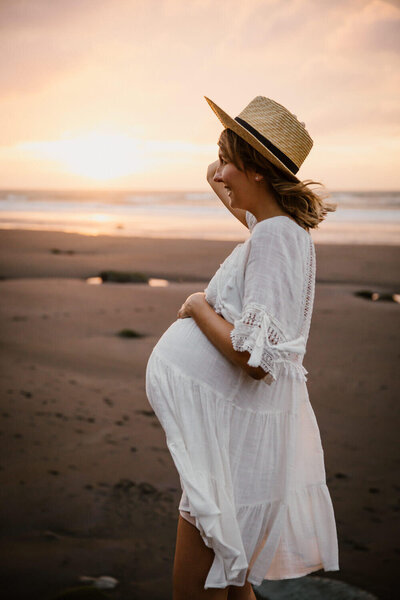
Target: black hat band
(275,151)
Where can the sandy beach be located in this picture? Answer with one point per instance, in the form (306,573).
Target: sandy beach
(87,484)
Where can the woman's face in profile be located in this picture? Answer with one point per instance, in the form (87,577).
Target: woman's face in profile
(236,183)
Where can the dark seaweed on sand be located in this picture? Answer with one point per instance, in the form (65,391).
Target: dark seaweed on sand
(129,333)
(124,276)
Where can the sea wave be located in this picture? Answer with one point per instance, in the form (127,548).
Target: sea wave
(372,217)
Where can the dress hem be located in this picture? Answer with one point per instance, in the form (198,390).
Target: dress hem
(295,576)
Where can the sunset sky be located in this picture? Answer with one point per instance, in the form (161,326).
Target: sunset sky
(110,93)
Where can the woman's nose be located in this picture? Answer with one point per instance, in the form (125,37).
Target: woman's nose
(217,175)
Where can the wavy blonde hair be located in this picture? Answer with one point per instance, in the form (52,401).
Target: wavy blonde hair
(295,197)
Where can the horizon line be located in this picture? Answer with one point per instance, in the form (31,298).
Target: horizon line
(172,191)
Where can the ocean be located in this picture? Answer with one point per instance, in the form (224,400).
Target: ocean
(360,217)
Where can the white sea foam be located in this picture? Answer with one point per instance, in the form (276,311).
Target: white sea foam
(361,217)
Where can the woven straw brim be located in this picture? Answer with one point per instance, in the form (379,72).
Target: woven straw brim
(230,123)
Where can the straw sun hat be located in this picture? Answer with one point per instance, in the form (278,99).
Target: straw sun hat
(272,130)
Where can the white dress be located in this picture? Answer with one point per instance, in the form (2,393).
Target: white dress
(248,452)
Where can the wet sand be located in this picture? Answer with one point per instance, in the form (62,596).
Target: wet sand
(88,486)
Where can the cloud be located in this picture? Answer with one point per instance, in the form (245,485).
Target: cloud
(374,29)
(40,40)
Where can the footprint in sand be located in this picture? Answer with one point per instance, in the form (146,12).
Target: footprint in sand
(341,476)
(112,442)
(124,485)
(144,488)
(58,251)
(146,413)
(361,547)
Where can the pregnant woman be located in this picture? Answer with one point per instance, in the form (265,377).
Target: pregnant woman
(227,381)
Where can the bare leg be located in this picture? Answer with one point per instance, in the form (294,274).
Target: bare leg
(193,560)
(241,593)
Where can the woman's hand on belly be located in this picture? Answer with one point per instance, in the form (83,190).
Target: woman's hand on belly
(217,329)
(191,303)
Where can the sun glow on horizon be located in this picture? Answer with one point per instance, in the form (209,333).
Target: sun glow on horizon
(99,156)
(105,157)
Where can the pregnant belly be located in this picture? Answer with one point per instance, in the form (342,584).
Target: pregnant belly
(186,346)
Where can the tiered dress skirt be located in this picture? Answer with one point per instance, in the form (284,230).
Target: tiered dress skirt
(249,458)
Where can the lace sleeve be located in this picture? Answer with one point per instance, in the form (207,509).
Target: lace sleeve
(272,291)
(256,333)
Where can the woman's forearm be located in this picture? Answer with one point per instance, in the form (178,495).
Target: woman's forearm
(217,330)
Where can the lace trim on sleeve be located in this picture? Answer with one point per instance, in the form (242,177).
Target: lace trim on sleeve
(257,333)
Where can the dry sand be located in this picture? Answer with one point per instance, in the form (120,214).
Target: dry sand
(87,484)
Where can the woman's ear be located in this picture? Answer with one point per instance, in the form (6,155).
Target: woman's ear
(253,175)
(257,176)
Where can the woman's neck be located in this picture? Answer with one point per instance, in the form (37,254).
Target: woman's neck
(266,206)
